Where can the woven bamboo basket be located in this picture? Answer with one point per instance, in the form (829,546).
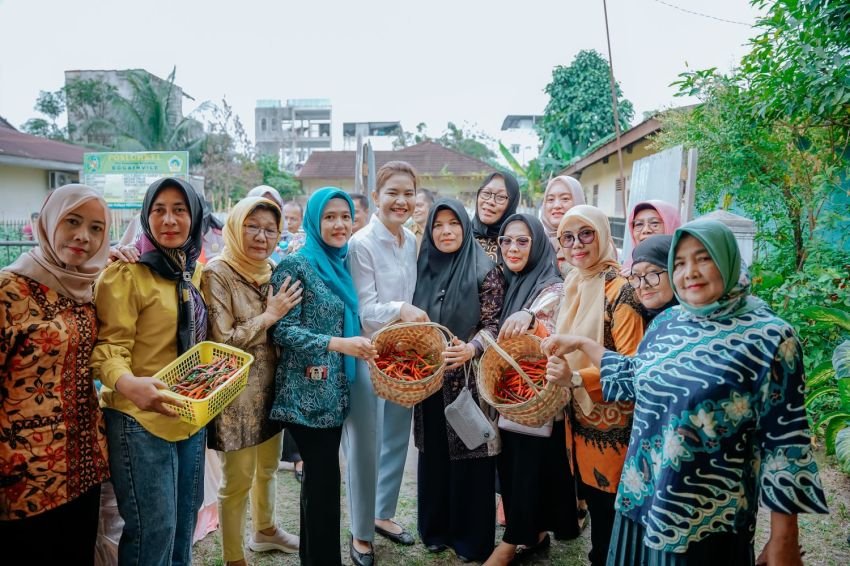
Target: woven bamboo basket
(497,358)
(427,339)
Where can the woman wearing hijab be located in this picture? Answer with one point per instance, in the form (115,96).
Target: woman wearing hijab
(56,459)
(732,435)
(156,460)
(649,276)
(599,305)
(242,309)
(562,193)
(497,199)
(532,463)
(321,339)
(649,218)
(461,288)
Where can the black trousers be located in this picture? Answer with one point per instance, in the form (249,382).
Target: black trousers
(600,504)
(290,448)
(65,535)
(320,494)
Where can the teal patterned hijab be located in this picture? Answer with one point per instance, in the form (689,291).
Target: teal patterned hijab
(329,263)
(720,244)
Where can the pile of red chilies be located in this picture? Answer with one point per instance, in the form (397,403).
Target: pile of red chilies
(201,380)
(405,366)
(511,388)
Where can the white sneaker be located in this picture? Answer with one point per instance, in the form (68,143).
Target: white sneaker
(280,540)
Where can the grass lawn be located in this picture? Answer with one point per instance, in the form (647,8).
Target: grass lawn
(823,536)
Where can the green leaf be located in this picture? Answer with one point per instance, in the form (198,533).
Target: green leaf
(831,431)
(829,417)
(842,449)
(823,373)
(829,315)
(518,169)
(841,360)
(825,389)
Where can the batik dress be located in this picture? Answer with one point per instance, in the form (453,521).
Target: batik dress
(719,428)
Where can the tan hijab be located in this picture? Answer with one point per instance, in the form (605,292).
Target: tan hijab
(43,264)
(234,241)
(582,312)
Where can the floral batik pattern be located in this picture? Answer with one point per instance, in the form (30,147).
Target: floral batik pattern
(52,443)
(719,427)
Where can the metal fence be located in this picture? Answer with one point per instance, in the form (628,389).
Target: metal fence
(11,249)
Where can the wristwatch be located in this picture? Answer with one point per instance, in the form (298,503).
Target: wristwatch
(533,317)
(576,380)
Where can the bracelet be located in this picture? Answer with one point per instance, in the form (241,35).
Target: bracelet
(576,380)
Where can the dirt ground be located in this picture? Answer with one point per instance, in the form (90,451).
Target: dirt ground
(824,537)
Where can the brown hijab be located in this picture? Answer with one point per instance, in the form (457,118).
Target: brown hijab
(43,264)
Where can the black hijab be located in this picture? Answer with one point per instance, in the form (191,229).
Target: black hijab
(655,250)
(491,231)
(540,272)
(178,264)
(447,285)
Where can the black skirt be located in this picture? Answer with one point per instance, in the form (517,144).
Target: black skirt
(456,498)
(627,549)
(538,489)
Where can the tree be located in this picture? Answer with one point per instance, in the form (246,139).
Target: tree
(579,112)
(90,117)
(465,139)
(773,134)
(52,105)
(149,120)
(284,181)
(227,161)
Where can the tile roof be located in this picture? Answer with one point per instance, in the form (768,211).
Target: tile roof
(18,144)
(429,158)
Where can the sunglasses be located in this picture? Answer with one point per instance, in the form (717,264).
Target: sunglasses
(568,239)
(522,242)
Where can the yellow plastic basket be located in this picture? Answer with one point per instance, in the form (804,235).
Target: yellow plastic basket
(201,411)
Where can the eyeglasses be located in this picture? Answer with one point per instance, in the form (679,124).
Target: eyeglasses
(651,279)
(522,242)
(654,225)
(585,237)
(255,231)
(498,198)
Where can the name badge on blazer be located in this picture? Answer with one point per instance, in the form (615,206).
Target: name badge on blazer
(317,373)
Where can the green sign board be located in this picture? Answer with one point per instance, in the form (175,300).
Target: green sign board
(123,177)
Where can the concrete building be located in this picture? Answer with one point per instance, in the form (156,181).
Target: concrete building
(444,170)
(382,135)
(520,136)
(30,167)
(294,130)
(599,170)
(121,81)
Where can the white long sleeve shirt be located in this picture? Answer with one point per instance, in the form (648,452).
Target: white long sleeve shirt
(384,273)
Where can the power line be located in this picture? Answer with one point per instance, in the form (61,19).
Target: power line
(701,14)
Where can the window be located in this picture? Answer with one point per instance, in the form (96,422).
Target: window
(618,196)
(595,195)
(263,124)
(324,130)
(515,149)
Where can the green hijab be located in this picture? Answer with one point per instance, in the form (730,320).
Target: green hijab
(723,249)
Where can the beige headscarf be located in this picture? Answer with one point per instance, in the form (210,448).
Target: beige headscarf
(582,312)
(577,193)
(234,241)
(43,264)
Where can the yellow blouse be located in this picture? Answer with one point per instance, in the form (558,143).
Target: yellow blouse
(137,312)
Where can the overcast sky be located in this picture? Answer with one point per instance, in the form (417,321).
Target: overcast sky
(461,60)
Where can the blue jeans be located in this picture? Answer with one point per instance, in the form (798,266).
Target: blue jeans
(159,486)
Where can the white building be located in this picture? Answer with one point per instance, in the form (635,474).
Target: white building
(294,130)
(382,135)
(520,136)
